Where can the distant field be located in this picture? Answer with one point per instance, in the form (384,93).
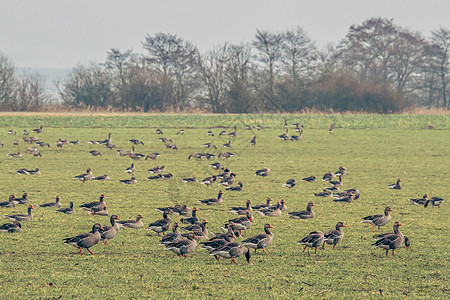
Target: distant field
(376,149)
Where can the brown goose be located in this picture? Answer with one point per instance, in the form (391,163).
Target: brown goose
(333,237)
(132,180)
(336,183)
(9,203)
(209,180)
(311,178)
(328,176)
(271,212)
(253,141)
(227,145)
(378,220)
(15,155)
(314,239)
(226,155)
(152,156)
(215,242)
(436,201)
(132,223)
(407,241)
(191,179)
(85,240)
(420,201)
(241,223)
(290,183)
(213,201)
(396,186)
(231,251)
(183,246)
(157,169)
(196,155)
(95,153)
(136,142)
(325,193)
(109,232)
(182,210)
(97,211)
(103,177)
(86,176)
(263,205)
(260,241)
(263,172)
(95,204)
(57,203)
(130,169)
(161,225)
(23,200)
(66,210)
(391,241)
(22,217)
(11,227)
(341,172)
(200,230)
(345,197)
(238,187)
(241,210)
(216,166)
(304,214)
(191,220)
(171,237)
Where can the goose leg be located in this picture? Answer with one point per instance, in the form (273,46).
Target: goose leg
(90,251)
(387,252)
(80,251)
(323,245)
(334,245)
(265,251)
(304,250)
(372,227)
(104,242)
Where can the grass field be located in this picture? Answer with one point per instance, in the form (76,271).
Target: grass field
(376,149)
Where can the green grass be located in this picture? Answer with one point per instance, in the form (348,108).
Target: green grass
(376,150)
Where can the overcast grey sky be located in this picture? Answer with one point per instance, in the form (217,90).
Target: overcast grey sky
(64,33)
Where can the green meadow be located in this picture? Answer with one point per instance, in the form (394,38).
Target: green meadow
(375,149)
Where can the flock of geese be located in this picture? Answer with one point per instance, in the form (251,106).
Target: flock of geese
(184,236)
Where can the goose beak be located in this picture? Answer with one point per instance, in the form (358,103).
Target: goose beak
(343,225)
(270,226)
(32,207)
(400,224)
(118,218)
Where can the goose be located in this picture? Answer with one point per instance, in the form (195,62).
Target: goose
(334,189)
(15,155)
(136,142)
(341,172)
(167,176)
(314,239)
(209,180)
(23,200)
(191,179)
(183,246)
(36,171)
(182,210)
(223,132)
(286,124)
(258,127)
(436,201)
(159,176)
(86,176)
(157,169)
(180,132)
(123,153)
(311,178)
(172,236)
(227,145)
(253,141)
(226,155)
(191,220)
(208,155)
(260,241)
(263,172)
(85,240)
(210,133)
(378,220)
(38,130)
(263,205)
(391,241)
(324,193)
(336,183)
(97,211)
(158,131)
(132,223)
(95,204)
(230,235)
(22,171)
(43,144)
(66,210)
(331,130)
(22,217)
(284,136)
(165,140)
(231,251)
(9,203)
(215,243)
(271,212)
(407,241)
(168,208)
(11,132)
(77,142)
(328,176)
(241,210)
(333,237)
(15,142)
(234,133)
(213,201)
(132,180)
(226,173)
(152,156)
(161,225)
(209,145)
(200,230)
(216,166)
(396,186)
(109,232)
(304,214)
(238,187)
(420,201)
(95,153)
(107,141)
(241,223)
(196,155)
(103,177)
(290,183)
(11,227)
(130,169)
(346,197)
(57,203)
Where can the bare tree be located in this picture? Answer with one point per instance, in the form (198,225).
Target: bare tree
(7,83)
(441,38)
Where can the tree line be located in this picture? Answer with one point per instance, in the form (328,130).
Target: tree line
(377,67)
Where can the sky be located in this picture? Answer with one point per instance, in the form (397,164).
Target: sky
(65,33)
